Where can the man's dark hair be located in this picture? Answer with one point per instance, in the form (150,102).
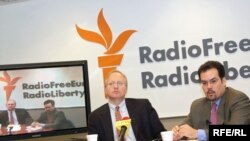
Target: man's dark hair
(49,101)
(210,65)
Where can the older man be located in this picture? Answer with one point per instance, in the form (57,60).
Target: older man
(145,123)
(14,115)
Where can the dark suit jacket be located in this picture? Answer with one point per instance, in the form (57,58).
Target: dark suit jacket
(59,120)
(144,119)
(23,117)
(234,108)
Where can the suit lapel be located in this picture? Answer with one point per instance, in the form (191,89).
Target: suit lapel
(107,121)
(18,112)
(220,110)
(131,107)
(206,112)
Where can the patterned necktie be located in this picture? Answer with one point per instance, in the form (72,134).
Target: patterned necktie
(118,117)
(213,116)
(11,118)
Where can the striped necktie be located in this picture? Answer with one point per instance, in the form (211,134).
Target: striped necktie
(11,117)
(118,117)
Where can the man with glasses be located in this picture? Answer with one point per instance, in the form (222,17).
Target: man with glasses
(144,123)
(231,106)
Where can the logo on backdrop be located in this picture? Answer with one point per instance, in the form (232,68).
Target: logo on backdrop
(10,84)
(105,38)
(180,50)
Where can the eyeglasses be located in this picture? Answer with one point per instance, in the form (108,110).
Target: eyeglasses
(118,83)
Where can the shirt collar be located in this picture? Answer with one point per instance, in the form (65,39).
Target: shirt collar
(121,105)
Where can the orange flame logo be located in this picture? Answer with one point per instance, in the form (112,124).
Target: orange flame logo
(111,60)
(9,87)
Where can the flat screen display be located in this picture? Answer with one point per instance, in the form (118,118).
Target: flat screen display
(30,85)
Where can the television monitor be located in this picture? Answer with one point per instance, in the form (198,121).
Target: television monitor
(66,83)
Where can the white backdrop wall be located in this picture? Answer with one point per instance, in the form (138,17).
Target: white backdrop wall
(45,31)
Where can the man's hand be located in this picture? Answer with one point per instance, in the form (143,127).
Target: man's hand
(176,135)
(187,131)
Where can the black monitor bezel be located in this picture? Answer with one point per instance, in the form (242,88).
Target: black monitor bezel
(84,65)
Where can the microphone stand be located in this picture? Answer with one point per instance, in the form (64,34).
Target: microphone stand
(121,138)
(122,133)
(10,128)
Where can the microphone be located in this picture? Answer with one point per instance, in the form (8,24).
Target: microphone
(123,125)
(10,127)
(122,133)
